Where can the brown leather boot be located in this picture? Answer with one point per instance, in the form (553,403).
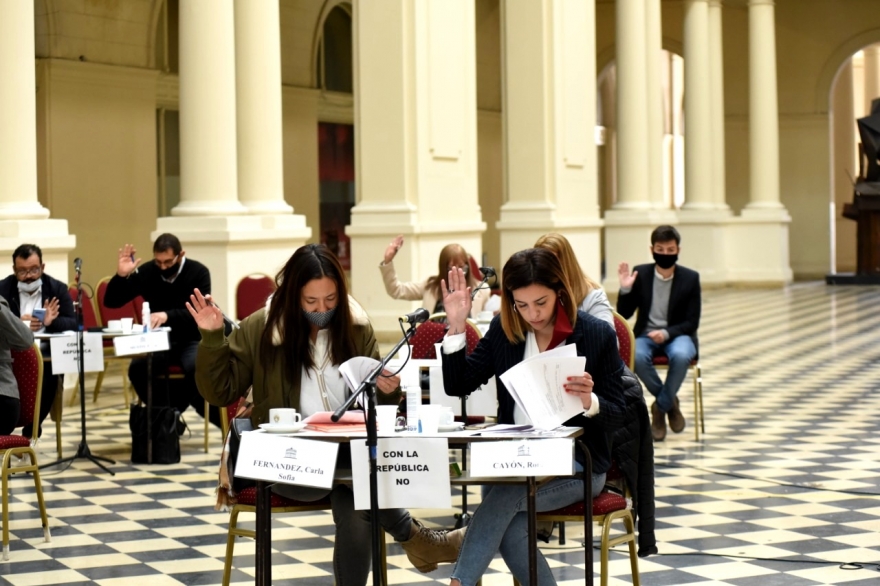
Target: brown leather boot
(676,419)
(426,548)
(658,423)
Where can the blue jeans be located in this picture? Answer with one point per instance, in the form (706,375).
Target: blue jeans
(501,523)
(680,351)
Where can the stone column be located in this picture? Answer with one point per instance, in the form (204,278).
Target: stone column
(549,117)
(22,218)
(698,107)
(654,70)
(759,247)
(258,105)
(632,110)
(416,143)
(210,220)
(716,90)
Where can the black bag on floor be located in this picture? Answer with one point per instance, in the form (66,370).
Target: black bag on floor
(166,427)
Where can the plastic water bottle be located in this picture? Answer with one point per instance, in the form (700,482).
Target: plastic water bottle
(145,316)
(413,402)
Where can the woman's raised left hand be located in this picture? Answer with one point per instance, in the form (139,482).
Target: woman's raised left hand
(582,387)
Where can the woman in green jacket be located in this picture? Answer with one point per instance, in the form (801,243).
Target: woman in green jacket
(290,353)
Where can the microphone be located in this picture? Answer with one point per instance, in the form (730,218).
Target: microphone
(418,316)
(77,264)
(487,271)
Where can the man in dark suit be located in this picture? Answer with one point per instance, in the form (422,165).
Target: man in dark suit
(29,288)
(668,299)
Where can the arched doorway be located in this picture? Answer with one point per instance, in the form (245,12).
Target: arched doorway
(855,86)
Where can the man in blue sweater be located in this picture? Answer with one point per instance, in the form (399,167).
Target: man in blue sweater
(667,297)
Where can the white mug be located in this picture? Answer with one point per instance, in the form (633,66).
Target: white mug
(280,416)
(114,325)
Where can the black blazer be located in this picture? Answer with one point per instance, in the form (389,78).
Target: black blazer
(66,320)
(594,339)
(683,315)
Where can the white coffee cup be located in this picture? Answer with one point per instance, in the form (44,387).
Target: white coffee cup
(386,418)
(280,416)
(126,322)
(429,419)
(114,325)
(447,416)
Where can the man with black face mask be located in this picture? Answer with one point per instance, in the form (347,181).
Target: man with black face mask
(45,304)
(166,284)
(668,299)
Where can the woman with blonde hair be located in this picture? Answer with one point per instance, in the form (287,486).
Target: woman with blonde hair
(428,291)
(588,294)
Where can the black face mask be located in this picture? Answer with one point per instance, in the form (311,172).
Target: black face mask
(170,271)
(665,261)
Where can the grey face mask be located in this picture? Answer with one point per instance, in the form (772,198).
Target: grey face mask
(320,319)
(30,287)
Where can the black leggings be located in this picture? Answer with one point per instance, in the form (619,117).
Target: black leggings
(10,407)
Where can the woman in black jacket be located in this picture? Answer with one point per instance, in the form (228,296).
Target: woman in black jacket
(538,313)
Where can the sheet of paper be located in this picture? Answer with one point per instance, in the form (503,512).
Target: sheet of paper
(355,370)
(536,385)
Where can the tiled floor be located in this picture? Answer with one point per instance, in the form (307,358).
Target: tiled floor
(782,489)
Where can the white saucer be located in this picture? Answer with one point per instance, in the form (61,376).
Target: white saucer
(280,428)
(456,426)
(109,331)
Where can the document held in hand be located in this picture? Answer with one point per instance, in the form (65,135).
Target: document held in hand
(355,370)
(536,386)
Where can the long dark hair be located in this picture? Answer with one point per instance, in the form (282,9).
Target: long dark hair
(309,262)
(534,266)
(451,253)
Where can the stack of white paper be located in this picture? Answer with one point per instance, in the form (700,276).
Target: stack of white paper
(355,370)
(536,385)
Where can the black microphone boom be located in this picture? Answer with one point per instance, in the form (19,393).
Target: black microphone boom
(417,317)
(487,271)
(77,264)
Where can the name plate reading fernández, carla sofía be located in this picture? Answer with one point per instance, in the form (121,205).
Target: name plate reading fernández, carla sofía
(529,457)
(156,341)
(287,460)
(410,473)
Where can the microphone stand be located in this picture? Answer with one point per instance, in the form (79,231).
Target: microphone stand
(83,449)
(368,387)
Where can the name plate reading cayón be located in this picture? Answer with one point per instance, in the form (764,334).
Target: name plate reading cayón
(287,460)
(156,341)
(531,457)
(411,473)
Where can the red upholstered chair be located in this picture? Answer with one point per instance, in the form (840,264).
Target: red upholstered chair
(626,341)
(27,366)
(104,315)
(607,508)
(432,332)
(251,294)
(662,362)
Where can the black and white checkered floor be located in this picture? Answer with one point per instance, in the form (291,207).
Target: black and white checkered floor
(782,489)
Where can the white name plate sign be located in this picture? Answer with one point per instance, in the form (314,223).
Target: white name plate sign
(530,457)
(287,460)
(410,473)
(65,353)
(141,343)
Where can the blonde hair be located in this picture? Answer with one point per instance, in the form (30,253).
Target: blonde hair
(449,254)
(581,284)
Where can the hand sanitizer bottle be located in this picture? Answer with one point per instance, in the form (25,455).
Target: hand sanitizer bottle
(145,316)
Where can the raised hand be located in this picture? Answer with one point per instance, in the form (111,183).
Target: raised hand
(626,279)
(456,300)
(207,315)
(393,247)
(126,264)
(52,309)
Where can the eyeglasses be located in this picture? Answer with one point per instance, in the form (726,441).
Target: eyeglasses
(32,272)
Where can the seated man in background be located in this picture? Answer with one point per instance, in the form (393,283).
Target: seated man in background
(668,299)
(29,288)
(166,284)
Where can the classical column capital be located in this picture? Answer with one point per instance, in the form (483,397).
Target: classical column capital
(761,2)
